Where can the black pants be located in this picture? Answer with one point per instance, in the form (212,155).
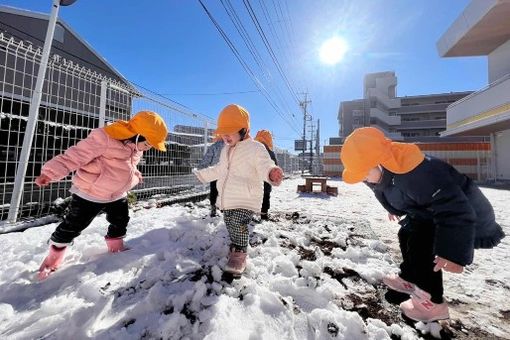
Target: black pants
(213,193)
(82,212)
(266,204)
(416,238)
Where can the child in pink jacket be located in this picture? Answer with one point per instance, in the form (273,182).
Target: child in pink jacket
(243,167)
(105,164)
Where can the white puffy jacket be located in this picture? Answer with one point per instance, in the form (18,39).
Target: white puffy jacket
(240,173)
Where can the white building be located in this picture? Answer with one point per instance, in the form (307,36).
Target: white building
(483,29)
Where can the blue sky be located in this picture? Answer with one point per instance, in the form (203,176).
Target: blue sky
(172,47)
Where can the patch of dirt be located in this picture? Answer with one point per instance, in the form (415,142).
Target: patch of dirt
(369,306)
(326,246)
(341,274)
(306,254)
(497,283)
(505,314)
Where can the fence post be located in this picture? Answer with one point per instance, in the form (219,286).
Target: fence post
(206,139)
(35,102)
(102,103)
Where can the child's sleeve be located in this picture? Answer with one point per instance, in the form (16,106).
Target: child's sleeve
(208,157)
(263,163)
(212,173)
(454,218)
(76,156)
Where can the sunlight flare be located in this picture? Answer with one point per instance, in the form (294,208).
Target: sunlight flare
(333,50)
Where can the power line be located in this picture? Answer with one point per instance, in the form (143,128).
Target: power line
(245,36)
(272,30)
(269,48)
(209,94)
(229,9)
(108,71)
(245,65)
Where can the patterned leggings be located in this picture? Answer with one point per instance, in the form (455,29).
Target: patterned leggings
(237,221)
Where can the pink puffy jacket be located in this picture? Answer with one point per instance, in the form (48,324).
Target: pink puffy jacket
(105,167)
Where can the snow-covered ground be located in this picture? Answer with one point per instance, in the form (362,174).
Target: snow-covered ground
(313,273)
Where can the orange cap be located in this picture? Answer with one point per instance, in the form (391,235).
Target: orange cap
(146,123)
(232,119)
(265,137)
(367,147)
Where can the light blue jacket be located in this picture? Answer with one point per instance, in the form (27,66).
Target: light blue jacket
(212,155)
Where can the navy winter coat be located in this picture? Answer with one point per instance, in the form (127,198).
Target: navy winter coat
(436,194)
(268,187)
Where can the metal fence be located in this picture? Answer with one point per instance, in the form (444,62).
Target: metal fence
(76,100)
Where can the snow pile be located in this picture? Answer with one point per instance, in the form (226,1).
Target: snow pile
(313,273)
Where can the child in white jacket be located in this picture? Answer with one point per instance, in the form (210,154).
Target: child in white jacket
(243,167)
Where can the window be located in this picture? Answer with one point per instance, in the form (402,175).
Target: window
(59,33)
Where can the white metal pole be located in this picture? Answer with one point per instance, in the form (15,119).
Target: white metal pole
(206,139)
(32,117)
(102,103)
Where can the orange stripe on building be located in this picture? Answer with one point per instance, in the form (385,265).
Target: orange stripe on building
(464,161)
(454,146)
(332,148)
(332,160)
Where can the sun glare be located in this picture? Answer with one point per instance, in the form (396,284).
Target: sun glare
(333,50)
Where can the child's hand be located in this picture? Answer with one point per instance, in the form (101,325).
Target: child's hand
(276,176)
(392,217)
(449,266)
(42,180)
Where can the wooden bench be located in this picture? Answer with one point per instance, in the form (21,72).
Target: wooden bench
(322,181)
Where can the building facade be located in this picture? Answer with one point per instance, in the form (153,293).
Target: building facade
(420,119)
(483,29)
(409,118)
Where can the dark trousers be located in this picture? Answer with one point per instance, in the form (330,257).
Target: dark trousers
(82,212)
(416,238)
(213,193)
(266,204)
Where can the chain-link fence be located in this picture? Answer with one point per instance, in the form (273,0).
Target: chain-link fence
(76,100)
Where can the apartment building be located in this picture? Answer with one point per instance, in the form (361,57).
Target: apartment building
(483,29)
(409,118)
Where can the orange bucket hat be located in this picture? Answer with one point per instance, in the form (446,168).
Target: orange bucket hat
(232,119)
(367,147)
(265,137)
(146,123)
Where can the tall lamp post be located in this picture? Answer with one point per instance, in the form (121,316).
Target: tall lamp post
(35,102)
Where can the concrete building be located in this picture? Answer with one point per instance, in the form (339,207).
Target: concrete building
(409,118)
(30,27)
(483,29)
(419,119)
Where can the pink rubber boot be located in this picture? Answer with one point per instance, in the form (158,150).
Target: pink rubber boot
(395,282)
(420,308)
(51,262)
(115,244)
(236,262)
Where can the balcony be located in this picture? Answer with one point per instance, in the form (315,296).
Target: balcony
(424,124)
(391,135)
(383,98)
(384,117)
(423,108)
(482,112)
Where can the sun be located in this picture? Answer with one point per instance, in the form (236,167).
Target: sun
(333,50)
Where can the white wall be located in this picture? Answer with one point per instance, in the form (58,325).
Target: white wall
(499,62)
(503,155)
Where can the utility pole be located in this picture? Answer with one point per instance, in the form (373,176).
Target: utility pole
(312,132)
(318,146)
(304,105)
